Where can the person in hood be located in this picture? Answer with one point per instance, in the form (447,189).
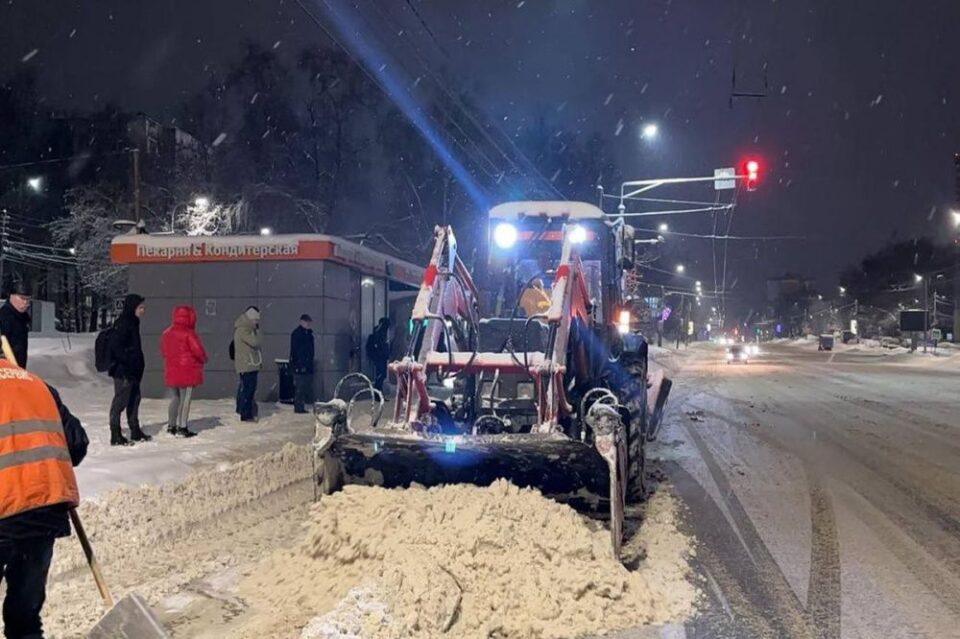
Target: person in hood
(15,319)
(183,360)
(41,443)
(126,369)
(302,356)
(247,361)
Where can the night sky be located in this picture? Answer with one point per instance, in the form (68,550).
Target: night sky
(857,132)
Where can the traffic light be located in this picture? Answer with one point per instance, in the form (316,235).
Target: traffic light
(752,171)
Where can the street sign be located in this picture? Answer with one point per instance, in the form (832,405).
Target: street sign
(725,179)
(935,334)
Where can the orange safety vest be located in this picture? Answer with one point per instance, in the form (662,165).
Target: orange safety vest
(35,467)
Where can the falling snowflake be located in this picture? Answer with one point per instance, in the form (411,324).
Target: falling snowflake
(896,183)
(220,139)
(30,55)
(254,98)
(554,177)
(607,101)
(643,89)
(619,128)
(877,100)
(783,89)
(276,45)
(72,33)
(521,3)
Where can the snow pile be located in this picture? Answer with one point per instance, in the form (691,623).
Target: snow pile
(126,520)
(465,561)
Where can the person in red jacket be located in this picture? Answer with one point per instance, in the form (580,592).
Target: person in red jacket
(183,359)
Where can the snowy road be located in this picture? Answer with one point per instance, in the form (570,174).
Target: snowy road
(823,488)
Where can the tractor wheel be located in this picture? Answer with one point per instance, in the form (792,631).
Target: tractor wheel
(637,436)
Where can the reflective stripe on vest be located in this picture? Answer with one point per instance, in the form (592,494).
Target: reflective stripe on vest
(35,467)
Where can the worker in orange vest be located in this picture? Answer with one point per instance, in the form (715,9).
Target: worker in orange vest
(40,443)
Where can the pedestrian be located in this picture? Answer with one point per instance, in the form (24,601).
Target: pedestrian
(40,443)
(302,357)
(183,360)
(15,319)
(378,351)
(126,369)
(247,361)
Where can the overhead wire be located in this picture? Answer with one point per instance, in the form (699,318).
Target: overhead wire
(467,112)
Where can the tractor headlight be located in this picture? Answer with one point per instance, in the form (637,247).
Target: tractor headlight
(577,234)
(505,235)
(623,322)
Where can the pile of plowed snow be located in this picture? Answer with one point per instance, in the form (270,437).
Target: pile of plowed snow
(465,561)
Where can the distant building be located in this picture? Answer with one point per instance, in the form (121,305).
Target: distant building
(789,286)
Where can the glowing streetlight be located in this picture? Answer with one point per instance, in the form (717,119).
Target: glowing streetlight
(72,251)
(266,230)
(680,268)
(697,284)
(35,184)
(650,131)
(663,228)
(843,290)
(917,278)
(201,202)
(956,218)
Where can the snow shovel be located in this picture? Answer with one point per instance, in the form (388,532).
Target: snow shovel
(131,617)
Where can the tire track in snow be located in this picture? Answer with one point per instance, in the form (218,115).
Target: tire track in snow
(823,593)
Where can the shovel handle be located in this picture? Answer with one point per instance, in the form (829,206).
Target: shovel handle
(91,559)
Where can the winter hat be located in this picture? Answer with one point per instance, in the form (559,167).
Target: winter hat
(17,286)
(252,313)
(306,318)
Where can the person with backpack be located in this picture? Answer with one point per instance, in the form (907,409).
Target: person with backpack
(126,368)
(247,361)
(183,360)
(302,355)
(378,351)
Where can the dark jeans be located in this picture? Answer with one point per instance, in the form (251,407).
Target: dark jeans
(24,565)
(126,397)
(303,391)
(381,374)
(246,405)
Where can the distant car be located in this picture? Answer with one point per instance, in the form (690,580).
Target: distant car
(737,353)
(826,343)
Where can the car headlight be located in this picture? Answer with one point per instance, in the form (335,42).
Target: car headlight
(577,234)
(505,235)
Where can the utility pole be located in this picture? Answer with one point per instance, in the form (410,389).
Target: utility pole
(926,313)
(4,220)
(136,184)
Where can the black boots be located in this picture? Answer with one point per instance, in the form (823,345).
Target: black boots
(119,440)
(138,435)
(180,431)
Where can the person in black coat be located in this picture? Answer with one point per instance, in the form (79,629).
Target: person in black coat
(15,320)
(126,369)
(302,355)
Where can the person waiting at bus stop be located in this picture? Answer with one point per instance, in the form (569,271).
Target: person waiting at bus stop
(40,443)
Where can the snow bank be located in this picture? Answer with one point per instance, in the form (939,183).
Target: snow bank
(67,364)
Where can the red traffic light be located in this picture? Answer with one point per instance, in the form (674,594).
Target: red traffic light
(752,170)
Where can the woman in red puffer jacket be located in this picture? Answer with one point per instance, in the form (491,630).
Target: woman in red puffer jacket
(183,360)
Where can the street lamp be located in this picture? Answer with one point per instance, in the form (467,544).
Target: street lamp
(680,268)
(35,184)
(649,131)
(202,202)
(956,219)
(663,228)
(266,230)
(917,278)
(843,290)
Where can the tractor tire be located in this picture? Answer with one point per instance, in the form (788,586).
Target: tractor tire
(637,435)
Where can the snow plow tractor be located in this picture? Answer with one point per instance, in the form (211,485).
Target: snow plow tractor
(549,390)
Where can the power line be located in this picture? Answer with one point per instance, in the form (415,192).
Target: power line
(66,159)
(706,209)
(466,111)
